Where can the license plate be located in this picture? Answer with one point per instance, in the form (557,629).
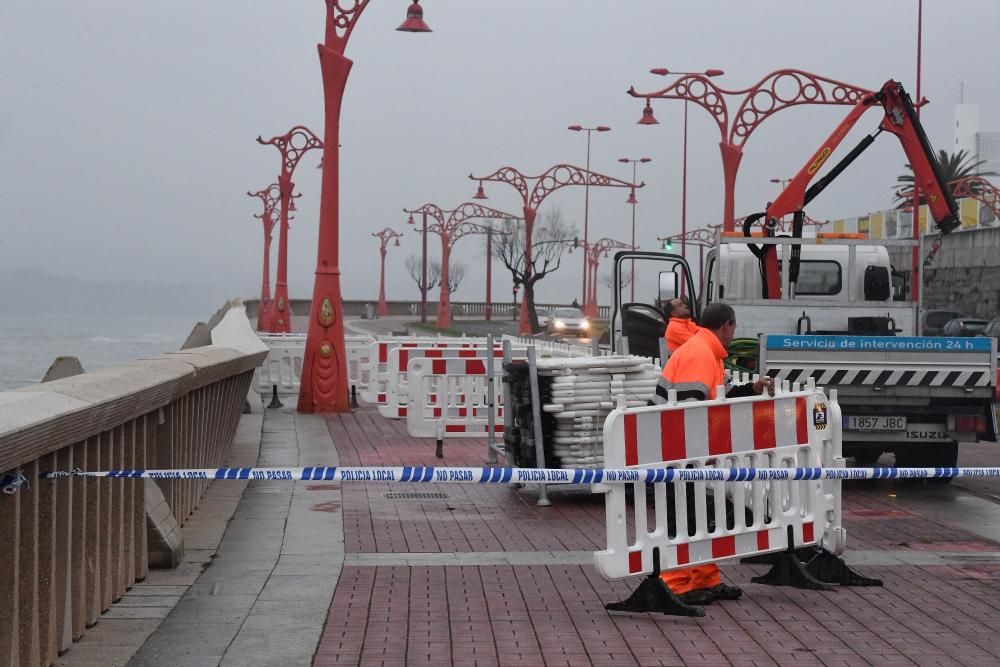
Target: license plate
(874,423)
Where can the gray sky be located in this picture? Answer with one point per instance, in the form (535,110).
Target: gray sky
(127,127)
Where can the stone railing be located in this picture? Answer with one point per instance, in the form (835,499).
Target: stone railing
(72,546)
(358,308)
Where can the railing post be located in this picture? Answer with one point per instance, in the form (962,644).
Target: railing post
(10,519)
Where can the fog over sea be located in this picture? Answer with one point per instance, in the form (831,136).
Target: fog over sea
(30,342)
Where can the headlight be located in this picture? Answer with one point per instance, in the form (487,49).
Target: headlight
(585,324)
(559,324)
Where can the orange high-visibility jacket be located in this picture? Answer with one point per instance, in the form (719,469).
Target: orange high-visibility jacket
(679,331)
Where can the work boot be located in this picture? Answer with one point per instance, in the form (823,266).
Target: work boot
(698,596)
(725,592)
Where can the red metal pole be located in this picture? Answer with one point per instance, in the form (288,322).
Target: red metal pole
(684,189)
(264,311)
(324,368)
(444,298)
(383,308)
(586,227)
(281,317)
(488,311)
(423,275)
(916,187)
(524,322)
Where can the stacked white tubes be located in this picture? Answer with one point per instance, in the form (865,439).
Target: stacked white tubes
(578,394)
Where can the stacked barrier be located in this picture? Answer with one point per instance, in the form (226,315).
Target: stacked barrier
(702,440)
(393,401)
(376,390)
(450,398)
(283,366)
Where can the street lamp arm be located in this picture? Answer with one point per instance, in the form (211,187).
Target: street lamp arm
(470,210)
(433,210)
(510,176)
(293,145)
(797,87)
(341,15)
(562,175)
(699,89)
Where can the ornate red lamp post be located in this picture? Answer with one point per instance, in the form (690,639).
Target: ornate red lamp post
(533,190)
(635,162)
(324,368)
(586,203)
(759,101)
(269,197)
(292,145)
(385,237)
(593,252)
(452,225)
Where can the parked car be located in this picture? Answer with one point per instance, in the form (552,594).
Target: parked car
(933,321)
(993,329)
(568,321)
(965,326)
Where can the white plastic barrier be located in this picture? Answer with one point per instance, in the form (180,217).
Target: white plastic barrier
(451,395)
(792,429)
(378,359)
(396,394)
(283,366)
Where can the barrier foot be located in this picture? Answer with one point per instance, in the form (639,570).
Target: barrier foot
(832,569)
(275,402)
(654,596)
(354,396)
(788,570)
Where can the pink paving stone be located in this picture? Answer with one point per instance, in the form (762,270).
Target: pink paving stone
(526,615)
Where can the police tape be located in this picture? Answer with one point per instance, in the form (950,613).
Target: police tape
(497,475)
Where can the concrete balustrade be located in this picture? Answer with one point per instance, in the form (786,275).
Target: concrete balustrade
(71,547)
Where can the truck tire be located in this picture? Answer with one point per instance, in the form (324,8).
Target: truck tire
(929,455)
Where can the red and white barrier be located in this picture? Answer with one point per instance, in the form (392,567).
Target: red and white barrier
(451,395)
(378,354)
(283,366)
(792,429)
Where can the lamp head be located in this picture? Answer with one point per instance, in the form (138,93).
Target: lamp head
(645,159)
(414,19)
(659,71)
(480,193)
(714,72)
(603,128)
(631,197)
(397,241)
(575,128)
(410,221)
(624,160)
(647,115)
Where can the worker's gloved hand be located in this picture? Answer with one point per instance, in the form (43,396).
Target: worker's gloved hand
(764,383)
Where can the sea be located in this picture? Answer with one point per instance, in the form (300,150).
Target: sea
(30,342)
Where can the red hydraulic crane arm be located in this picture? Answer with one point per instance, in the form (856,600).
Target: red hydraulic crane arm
(901,120)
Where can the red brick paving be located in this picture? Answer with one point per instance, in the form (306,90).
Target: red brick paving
(554,615)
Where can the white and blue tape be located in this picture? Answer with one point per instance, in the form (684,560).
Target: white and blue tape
(435,474)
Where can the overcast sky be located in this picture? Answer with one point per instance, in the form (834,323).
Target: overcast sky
(127,127)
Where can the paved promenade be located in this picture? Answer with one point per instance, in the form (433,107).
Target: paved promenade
(380,574)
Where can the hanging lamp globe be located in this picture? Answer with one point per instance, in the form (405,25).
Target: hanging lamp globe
(414,19)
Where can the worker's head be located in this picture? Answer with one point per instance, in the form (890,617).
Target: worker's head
(678,308)
(720,319)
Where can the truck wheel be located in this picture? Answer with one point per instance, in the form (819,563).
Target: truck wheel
(928,455)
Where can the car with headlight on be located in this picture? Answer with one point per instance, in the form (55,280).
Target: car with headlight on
(568,322)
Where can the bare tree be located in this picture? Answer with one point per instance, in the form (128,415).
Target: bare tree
(455,274)
(551,238)
(608,280)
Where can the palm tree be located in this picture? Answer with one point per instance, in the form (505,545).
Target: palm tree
(954,167)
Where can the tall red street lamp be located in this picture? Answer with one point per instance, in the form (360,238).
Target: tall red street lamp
(650,120)
(586,202)
(915,256)
(292,145)
(270,197)
(384,237)
(776,91)
(635,162)
(534,190)
(452,225)
(324,368)
(593,252)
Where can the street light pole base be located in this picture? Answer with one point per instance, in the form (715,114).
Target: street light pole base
(324,369)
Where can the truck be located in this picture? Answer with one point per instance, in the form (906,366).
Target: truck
(829,308)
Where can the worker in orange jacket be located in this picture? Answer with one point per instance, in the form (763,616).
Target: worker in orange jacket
(680,326)
(694,371)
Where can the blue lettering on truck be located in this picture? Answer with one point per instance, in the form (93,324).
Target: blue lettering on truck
(880,343)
